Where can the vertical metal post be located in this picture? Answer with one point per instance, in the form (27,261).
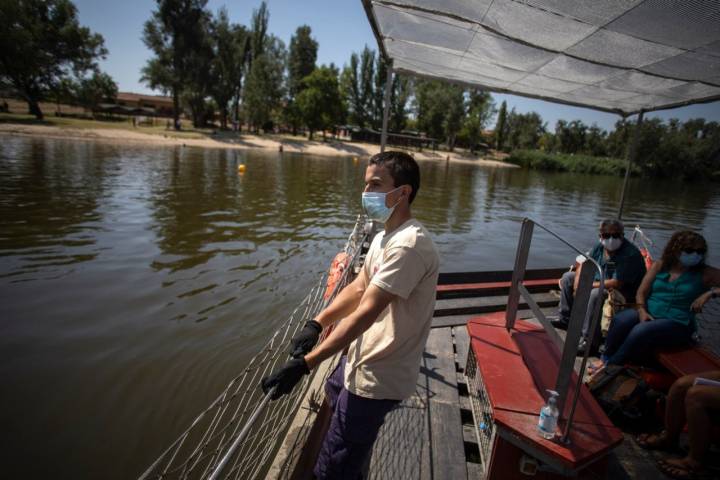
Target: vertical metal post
(521,258)
(631,153)
(386,103)
(572,339)
(593,327)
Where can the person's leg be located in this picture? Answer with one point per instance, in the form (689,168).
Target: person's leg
(699,401)
(620,328)
(351,435)
(566,296)
(648,336)
(334,383)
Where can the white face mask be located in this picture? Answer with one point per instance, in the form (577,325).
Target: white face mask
(611,244)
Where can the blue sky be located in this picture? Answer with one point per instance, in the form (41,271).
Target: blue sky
(339,26)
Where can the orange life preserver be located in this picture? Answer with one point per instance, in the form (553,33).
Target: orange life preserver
(337,268)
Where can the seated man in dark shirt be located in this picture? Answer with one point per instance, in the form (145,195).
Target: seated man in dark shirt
(624,269)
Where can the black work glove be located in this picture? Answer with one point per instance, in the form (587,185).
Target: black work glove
(305,340)
(286,378)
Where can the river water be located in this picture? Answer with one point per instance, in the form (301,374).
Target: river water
(135,282)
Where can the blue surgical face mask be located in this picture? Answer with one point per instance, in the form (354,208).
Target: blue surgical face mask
(374,205)
(690,259)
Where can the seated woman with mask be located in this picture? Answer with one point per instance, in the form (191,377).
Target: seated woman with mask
(674,288)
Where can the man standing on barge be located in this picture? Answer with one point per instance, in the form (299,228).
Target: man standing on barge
(386,315)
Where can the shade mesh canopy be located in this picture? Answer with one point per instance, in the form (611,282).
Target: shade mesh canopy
(621,56)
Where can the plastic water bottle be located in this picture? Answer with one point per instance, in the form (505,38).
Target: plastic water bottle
(549,416)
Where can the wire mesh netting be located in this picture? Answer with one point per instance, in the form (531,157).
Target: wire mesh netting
(198,451)
(484,425)
(620,56)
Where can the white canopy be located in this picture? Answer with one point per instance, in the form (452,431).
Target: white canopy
(620,56)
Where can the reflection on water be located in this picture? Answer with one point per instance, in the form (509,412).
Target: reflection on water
(135,282)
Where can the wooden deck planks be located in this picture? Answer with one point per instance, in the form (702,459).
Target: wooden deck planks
(447,450)
(424,437)
(462,344)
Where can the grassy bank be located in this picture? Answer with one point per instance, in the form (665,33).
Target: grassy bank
(558,162)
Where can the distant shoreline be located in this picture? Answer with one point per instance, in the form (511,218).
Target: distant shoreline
(230,140)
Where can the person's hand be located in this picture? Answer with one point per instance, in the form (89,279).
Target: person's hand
(644,315)
(305,340)
(285,378)
(700,301)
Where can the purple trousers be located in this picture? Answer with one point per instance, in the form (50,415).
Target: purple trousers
(354,426)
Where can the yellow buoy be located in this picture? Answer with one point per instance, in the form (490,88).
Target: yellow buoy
(355,159)
(241,168)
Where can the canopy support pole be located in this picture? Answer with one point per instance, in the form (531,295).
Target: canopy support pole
(386,110)
(631,154)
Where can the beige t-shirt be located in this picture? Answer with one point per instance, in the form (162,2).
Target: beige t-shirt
(384,361)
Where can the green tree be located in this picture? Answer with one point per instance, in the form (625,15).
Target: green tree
(302,55)
(319,100)
(480,108)
(616,141)
(570,136)
(595,141)
(41,43)
(356,87)
(92,91)
(440,109)
(264,85)
(524,130)
(454,100)
(258,32)
(174,32)
(367,74)
(378,97)
(400,96)
(501,127)
(229,50)
(199,80)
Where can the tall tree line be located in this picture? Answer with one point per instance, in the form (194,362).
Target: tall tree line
(662,146)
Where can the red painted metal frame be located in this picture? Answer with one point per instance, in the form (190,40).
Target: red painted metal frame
(516,367)
(688,361)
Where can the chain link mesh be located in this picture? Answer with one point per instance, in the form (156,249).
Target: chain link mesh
(197,451)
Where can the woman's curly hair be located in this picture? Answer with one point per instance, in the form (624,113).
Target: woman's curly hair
(679,242)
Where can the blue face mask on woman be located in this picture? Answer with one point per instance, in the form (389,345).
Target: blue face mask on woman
(690,259)
(374,205)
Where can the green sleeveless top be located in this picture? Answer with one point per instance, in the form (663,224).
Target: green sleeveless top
(672,300)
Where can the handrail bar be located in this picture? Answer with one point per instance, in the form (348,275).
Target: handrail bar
(582,296)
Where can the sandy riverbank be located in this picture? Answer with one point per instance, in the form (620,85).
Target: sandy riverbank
(234,141)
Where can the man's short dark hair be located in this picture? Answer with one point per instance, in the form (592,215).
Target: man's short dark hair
(403,169)
(611,222)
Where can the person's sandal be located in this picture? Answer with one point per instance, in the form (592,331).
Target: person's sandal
(654,441)
(593,368)
(680,472)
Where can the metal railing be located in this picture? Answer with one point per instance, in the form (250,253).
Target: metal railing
(568,347)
